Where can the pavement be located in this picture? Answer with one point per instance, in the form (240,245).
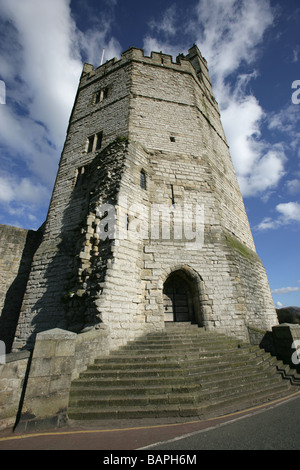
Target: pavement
(129,435)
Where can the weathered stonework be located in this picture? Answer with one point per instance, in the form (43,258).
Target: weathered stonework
(17,248)
(12,378)
(160,145)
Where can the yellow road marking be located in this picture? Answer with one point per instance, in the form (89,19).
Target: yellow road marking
(94,431)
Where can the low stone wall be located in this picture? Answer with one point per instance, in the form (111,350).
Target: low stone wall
(88,346)
(58,358)
(12,378)
(36,391)
(262,338)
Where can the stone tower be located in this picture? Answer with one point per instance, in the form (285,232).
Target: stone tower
(146,223)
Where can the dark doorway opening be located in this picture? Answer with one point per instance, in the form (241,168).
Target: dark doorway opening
(178,299)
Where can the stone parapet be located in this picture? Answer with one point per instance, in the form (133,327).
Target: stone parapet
(287,342)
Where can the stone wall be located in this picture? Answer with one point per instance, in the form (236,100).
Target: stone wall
(170,101)
(34,387)
(17,247)
(287,344)
(12,379)
(59,291)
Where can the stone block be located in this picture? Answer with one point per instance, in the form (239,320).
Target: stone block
(50,376)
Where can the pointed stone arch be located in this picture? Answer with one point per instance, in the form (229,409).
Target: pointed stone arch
(185,297)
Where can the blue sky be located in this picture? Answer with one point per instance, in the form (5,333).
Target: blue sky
(253,52)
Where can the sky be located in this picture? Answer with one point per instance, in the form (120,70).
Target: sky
(253,52)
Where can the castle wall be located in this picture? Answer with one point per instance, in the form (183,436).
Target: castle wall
(122,302)
(235,283)
(55,269)
(168,102)
(109,116)
(59,291)
(17,247)
(79,280)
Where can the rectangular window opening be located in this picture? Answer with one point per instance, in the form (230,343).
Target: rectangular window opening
(105,93)
(94,142)
(80,176)
(90,144)
(97,97)
(99,140)
(101,95)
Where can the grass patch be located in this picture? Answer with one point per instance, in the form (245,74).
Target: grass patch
(240,247)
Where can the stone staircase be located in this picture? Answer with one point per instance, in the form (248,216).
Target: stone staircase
(182,372)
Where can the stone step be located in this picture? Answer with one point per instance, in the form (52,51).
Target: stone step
(181,357)
(191,346)
(89,402)
(98,389)
(180,372)
(174,369)
(174,339)
(210,381)
(181,409)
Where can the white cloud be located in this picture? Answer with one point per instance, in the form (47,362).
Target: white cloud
(6,191)
(265,173)
(286,121)
(241,133)
(268,223)
(231,36)
(258,167)
(93,42)
(289,212)
(229,32)
(285,290)
(22,190)
(152,44)
(40,63)
(26,141)
(167,24)
(293,186)
(48,65)
(2,92)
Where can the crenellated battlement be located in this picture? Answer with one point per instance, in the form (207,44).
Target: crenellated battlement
(193,63)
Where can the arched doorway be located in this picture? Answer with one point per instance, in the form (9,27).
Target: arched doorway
(178,298)
(184,297)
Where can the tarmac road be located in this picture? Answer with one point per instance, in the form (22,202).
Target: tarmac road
(276,428)
(273,426)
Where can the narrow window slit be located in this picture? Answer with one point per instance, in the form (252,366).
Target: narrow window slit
(143,180)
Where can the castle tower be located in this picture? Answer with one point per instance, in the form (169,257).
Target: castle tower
(146,223)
